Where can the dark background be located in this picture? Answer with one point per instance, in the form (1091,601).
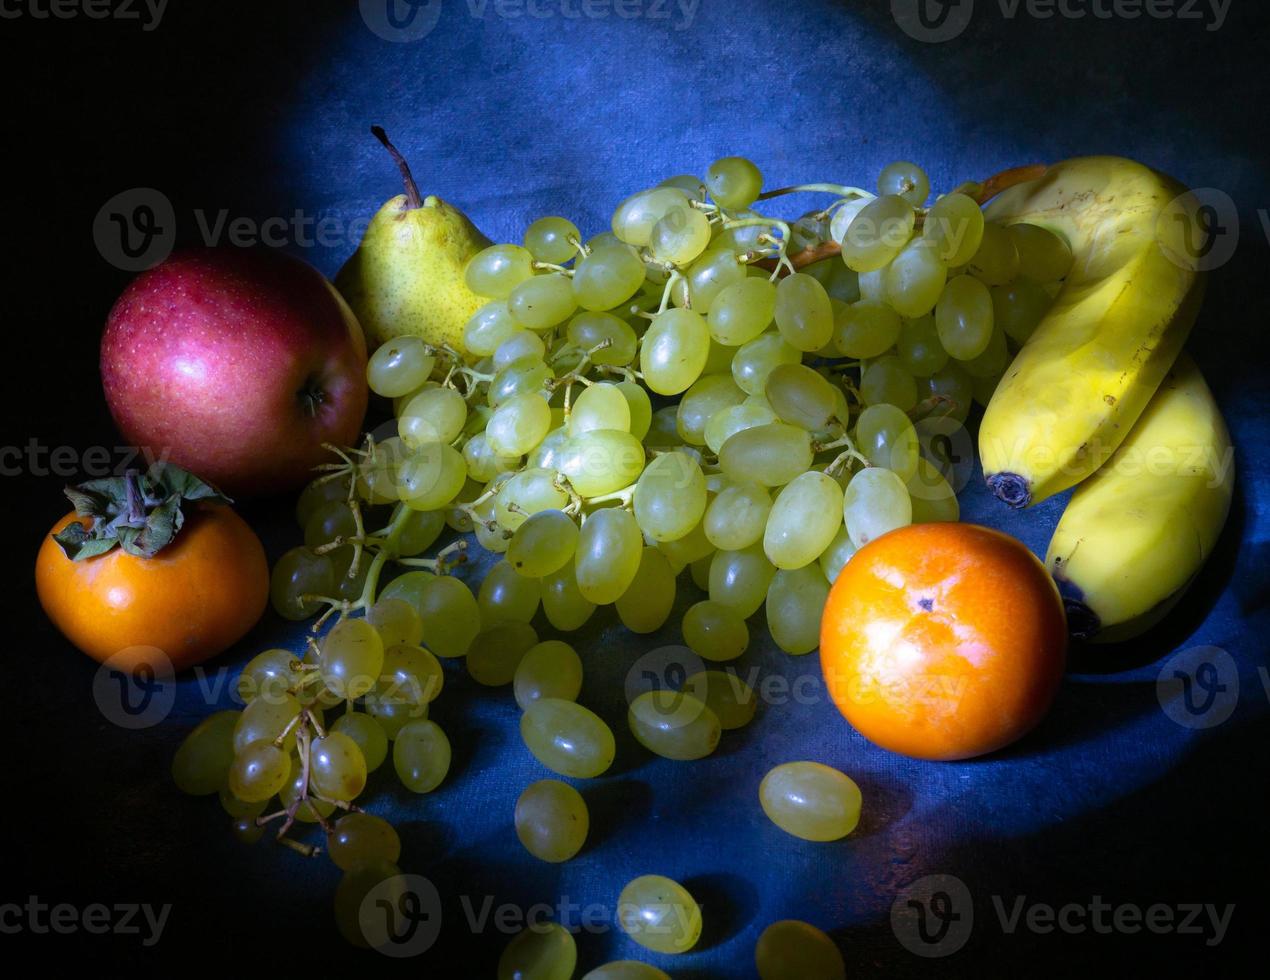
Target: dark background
(260,109)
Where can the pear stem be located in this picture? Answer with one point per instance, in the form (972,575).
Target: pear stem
(413,199)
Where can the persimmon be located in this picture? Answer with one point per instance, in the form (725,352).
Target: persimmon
(943,640)
(189,576)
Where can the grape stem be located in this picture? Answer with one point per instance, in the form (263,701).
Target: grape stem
(839,189)
(552,267)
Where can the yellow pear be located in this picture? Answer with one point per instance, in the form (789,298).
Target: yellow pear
(406,277)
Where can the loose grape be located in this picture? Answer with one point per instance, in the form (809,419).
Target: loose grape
(659,914)
(908,180)
(954,226)
(541,302)
(400,365)
(608,555)
(770,455)
(352,658)
(1019,307)
(421,756)
(601,406)
(877,233)
(497,651)
(646,604)
(915,279)
(551,820)
(885,381)
(876,501)
(1043,255)
(589,329)
(997,260)
(411,675)
(674,351)
(803,521)
(451,617)
(547,239)
(396,621)
(741,311)
(795,601)
(802,397)
(497,270)
(634,218)
(563,603)
(367,733)
(734,182)
(673,725)
(737,517)
(887,437)
(715,631)
(670,497)
(567,738)
(793,950)
(259,770)
(919,349)
(551,669)
(542,951)
(803,314)
(201,765)
(361,838)
(739,578)
(865,329)
(337,768)
(810,800)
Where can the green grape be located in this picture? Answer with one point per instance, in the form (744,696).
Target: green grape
(689,184)
(377,474)
(699,572)
(367,733)
(450,615)
(497,651)
(543,544)
(646,604)
(542,951)
(734,182)
(635,217)
(598,462)
(801,396)
(547,239)
(915,279)
(724,693)
(337,768)
(803,313)
(497,270)
(526,375)
(770,455)
(411,675)
(639,406)
(456,515)
(954,226)
(887,437)
(300,572)
(736,517)
(1043,255)
(552,820)
(567,738)
(803,521)
(421,529)
(842,284)
(385,881)
(269,675)
(717,269)
(626,970)
(608,555)
(315,495)
(506,596)
(1019,308)
(547,455)
(876,501)
(674,351)
(399,366)
(349,580)
(692,547)
(810,800)
(839,552)
(258,771)
(352,658)
(932,498)
(421,756)
(908,180)
(431,477)
(714,631)
(991,361)
(919,349)
(865,329)
(726,423)
(670,497)
(795,601)
(607,277)
(330,521)
(264,719)
(563,603)
(601,406)
(408,586)
(680,235)
(361,838)
(518,425)
(589,329)
(739,579)
(541,302)
(529,492)
(951,385)
(754,361)
(997,260)
(659,914)
(663,429)
(483,463)
(311,810)
(885,381)
(709,395)
(872,286)
(551,669)
(521,344)
(794,950)
(396,621)
(741,311)
(235,807)
(202,763)
(392,713)
(673,725)
(877,233)
(488,327)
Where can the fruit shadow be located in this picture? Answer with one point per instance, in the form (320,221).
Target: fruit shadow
(614,804)
(729,903)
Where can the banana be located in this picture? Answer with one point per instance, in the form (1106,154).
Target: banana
(1136,532)
(1118,322)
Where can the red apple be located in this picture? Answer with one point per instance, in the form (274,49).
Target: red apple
(237,365)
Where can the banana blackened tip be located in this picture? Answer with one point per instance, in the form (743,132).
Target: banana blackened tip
(1082,622)
(1011,489)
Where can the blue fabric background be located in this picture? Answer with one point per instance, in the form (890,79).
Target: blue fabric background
(265,111)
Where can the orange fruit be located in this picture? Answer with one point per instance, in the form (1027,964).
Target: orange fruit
(196,597)
(943,641)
